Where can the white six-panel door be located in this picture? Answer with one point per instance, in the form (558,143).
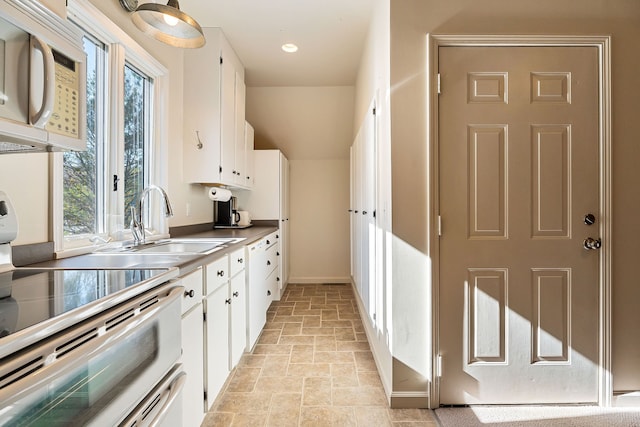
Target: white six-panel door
(519,172)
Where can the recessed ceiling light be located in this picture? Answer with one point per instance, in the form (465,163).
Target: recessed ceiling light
(289,47)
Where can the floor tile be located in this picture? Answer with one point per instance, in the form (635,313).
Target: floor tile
(312,366)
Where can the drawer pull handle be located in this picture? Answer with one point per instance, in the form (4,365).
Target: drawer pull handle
(268,242)
(221,273)
(240,260)
(277,279)
(268,293)
(235,294)
(268,262)
(190,293)
(227,301)
(277,253)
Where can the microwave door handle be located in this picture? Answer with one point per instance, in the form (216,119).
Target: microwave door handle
(173,391)
(39,118)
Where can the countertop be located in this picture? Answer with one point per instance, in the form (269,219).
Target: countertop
(185,263)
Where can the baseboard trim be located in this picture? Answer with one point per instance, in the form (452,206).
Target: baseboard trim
(315,280)
(626,399)
(409,400)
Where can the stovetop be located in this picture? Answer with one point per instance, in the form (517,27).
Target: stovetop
(29,297)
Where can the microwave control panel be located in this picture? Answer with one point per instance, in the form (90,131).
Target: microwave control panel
(65,118)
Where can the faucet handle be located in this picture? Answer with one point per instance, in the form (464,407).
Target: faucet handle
(137,229)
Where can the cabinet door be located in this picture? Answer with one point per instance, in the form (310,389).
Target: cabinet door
(201,125)
(256,292)
(217,342)
(240,143)
(284,221)
(228,114)
(249,135)
(193,405)
(238,318)
(264,200)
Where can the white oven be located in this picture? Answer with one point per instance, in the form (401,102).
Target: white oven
(118,367)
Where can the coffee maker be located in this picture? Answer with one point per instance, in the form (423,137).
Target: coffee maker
(225,214)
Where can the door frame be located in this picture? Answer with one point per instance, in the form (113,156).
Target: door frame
(603,46)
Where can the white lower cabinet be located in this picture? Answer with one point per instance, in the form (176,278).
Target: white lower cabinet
(238,327)
(263,283)
(223,312)
(225,320)
(217,341)
(192,348)
(216,324)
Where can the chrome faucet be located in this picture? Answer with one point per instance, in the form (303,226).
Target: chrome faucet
(137,227)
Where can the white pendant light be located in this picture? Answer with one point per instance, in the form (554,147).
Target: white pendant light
(166,23)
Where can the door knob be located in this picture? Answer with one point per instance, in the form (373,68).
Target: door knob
(591,243)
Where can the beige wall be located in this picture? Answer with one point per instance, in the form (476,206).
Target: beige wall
(313,127)
(25,179)
(411,20)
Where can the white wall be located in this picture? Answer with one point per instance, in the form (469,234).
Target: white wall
(313,127)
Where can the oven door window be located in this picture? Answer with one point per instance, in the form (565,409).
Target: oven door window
(86,393)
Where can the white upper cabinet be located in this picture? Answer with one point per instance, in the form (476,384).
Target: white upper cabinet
(214,113)
(249,156)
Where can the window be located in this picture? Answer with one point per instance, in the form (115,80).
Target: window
(126,139)
(83,174)
(136,136)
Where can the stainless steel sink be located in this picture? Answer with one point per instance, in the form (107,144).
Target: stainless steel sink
(124,260)
(175,246)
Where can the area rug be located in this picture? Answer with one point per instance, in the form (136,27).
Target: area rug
(538,416)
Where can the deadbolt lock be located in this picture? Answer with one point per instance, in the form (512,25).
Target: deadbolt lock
(589,219)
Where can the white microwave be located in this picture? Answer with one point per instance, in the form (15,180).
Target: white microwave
(42,81)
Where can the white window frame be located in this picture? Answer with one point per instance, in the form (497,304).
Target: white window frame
(121,48)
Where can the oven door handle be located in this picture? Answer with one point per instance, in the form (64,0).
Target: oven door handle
(170,394)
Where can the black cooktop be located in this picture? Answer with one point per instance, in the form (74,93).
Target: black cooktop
(31,296)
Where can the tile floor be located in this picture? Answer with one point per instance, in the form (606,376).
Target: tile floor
(311,366)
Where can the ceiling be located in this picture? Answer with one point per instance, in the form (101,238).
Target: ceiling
(330,35)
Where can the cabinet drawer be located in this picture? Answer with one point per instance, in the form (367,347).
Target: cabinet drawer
(272,238)
(217,274)
(237,261)
(272,257)
(192,283)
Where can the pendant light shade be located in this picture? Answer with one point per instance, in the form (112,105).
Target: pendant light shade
(168,24)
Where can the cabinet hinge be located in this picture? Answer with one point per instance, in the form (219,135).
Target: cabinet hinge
(438,84)
(439,366)
(439,225)
(374,111)
(374,213)
(205,395)
(220,169)
(221,60)
(204,317)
